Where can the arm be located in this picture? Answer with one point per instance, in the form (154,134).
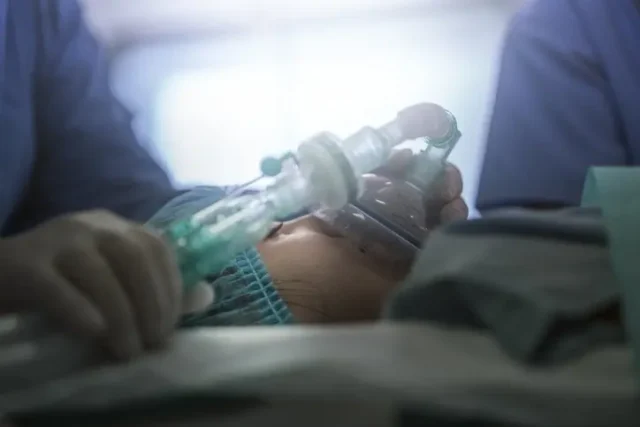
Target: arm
(88,155)
(553,115)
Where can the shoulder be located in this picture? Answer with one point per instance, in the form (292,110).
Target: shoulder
(37,24)
(56,18)
(560,10)
(576,20)
(560,32)
(545,20)
(40,14)
(58,11)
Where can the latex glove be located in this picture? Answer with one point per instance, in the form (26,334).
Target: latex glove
(98,276)
(199,298)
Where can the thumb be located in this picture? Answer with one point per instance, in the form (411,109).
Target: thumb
(198,298)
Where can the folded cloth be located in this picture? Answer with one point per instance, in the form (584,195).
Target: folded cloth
(540,282)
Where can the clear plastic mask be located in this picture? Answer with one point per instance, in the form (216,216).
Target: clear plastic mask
(388,220)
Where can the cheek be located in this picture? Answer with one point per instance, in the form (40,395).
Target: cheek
(394,266)
(311,258)
(316,259)
(329,272)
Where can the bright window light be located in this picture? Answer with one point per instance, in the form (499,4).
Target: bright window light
(215,126)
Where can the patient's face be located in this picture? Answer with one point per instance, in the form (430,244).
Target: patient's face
(326,277)
(318,271)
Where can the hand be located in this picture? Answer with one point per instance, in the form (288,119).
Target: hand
(96,275)
(443,202)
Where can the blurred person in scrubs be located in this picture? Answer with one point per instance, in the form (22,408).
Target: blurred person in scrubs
(568,97)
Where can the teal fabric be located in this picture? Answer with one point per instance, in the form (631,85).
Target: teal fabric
(244,291)
(245,295)
(616,191)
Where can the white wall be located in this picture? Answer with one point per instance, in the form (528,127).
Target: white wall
(215,106)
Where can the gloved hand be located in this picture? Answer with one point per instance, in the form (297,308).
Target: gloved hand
(96,275)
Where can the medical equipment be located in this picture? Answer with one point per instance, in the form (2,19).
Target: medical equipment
(323,173)
(389,218)
(326,175)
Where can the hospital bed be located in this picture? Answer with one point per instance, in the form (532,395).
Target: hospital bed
(372,375)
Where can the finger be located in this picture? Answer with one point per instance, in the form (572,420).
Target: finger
(448,187)
(92,275)
(165,264)
(454,211)
(198,298)
(397,165)
(131,261)
(65,304)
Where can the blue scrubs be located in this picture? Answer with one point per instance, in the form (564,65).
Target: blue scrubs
(66,144)
(568,97)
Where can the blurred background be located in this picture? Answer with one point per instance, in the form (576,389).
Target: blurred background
(218,84)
